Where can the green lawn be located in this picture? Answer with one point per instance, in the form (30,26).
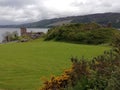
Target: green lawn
(22,65)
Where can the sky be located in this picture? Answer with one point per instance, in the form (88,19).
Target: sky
(24,11)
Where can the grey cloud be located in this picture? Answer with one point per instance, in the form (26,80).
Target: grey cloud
(22,11)
(15,3)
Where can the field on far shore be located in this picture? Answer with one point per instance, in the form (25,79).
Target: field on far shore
(22,65)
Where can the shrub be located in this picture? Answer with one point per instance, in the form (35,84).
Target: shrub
(90,33)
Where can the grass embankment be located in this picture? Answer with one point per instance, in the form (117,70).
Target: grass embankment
(23,64)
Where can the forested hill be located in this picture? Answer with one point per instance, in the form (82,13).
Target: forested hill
(102,18)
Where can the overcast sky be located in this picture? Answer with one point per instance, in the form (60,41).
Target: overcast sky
(22,11)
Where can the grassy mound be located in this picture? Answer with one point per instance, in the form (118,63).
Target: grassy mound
(90,33)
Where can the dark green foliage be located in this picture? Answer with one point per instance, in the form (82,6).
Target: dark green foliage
(90,33)
(105,71)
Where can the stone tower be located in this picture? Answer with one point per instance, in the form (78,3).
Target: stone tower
(23,31)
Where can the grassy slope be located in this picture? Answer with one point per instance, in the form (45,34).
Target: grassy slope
(23,64)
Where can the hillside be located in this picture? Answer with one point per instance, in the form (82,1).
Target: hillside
(101,18)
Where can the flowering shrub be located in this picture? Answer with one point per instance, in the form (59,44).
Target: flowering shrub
(101,73)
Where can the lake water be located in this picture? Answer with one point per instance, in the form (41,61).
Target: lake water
(3,31)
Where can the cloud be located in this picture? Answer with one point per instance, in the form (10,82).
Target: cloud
(23,11)
(15,3)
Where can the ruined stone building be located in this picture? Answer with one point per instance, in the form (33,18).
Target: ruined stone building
(31,34)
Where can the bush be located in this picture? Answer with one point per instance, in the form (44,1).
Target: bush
(90,33)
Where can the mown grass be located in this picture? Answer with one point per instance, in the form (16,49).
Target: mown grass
(22,65)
